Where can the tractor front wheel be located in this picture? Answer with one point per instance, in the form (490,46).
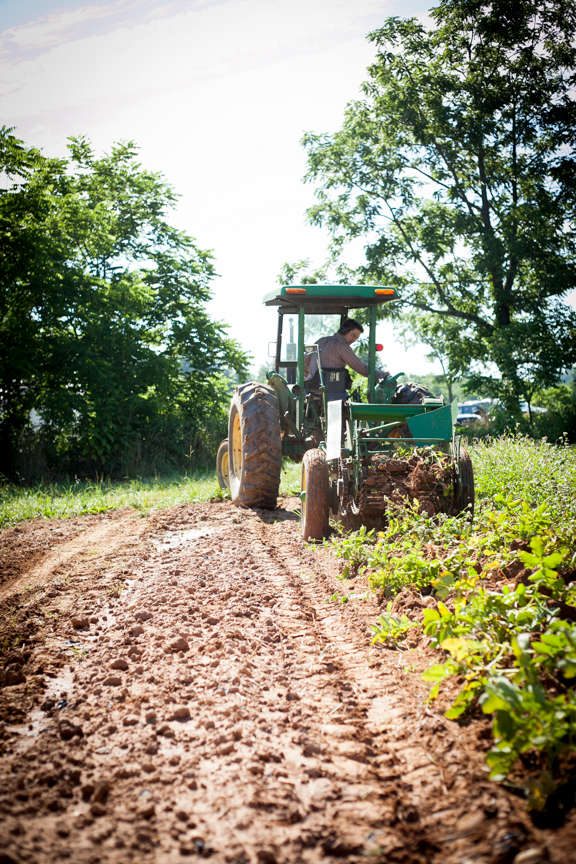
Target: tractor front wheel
(464,491)
(315,496)
(254,446)
(222,471)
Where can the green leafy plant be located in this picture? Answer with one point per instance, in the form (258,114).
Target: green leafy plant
(503,620)
(391,629)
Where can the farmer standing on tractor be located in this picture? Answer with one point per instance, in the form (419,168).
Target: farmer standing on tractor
(336,353)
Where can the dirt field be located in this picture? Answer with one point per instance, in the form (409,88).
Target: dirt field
(186,689)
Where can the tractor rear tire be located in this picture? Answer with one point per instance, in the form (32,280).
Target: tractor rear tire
(316,496)
(254,446)
(464,491)
(222,465)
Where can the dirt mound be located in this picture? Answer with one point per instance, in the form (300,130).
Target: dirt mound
(424,477)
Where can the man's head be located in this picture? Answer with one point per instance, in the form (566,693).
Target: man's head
(350,330)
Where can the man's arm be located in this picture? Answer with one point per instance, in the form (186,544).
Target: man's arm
(349,358)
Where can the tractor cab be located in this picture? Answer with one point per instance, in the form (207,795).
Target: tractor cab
(305,313)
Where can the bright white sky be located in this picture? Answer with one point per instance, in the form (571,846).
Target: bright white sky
(217,94)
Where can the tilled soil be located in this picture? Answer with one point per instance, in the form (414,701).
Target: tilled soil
(186,688)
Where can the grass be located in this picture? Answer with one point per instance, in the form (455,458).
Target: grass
(535,471)
(65,500)
(290,478)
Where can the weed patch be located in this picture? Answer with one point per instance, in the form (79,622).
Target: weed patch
(503,617)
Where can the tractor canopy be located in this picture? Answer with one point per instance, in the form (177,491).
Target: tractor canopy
(328,299)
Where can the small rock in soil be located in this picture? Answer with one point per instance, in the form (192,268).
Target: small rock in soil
(143,615)
(113,681)
(177,645)
(534,855)
(80,622)
(119,663)
(68,730)
(471,822)
(101,792)
(12,676)
(87,791)
(182,713)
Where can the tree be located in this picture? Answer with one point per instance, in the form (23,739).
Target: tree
(104,333)
(457,169)
(443,339)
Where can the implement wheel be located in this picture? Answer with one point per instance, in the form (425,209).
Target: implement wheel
(254,446)
(222,466)
(315,496)
(464,486)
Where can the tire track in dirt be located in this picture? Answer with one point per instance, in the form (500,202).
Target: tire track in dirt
(217,705)
(85,544)
(450,812)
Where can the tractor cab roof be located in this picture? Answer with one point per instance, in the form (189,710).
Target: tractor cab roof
(328,299)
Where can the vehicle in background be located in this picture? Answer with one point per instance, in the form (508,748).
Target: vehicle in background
(534,409)
(474,411)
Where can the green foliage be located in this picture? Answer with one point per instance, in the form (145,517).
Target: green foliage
(443,338)
(457,171)
(104,333)
(532,471)
(560,418)
(352,548)
(505,602)
(390,629)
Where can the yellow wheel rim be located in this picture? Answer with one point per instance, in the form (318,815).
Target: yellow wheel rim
(236,444)
(224,466)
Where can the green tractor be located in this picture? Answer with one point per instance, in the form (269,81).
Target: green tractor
(357,456)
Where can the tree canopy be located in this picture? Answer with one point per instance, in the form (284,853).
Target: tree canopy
(109,361)
(457,171)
